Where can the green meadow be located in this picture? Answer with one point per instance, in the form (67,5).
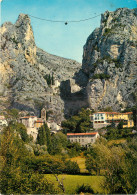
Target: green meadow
(71,182)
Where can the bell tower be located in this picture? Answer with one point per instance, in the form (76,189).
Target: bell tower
(43,114)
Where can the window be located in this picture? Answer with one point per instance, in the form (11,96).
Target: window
(82,140)
(79,140)
(91,140)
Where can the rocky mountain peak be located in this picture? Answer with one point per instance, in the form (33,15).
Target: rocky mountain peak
(110,60)
(26,72)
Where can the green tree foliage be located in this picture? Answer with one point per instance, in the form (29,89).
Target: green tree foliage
(84,189)
(71,167)
(48,137)
(41,137)
(44,137)
(13,152)
(14,113)
(101,76)
(117,133)
(74,149)
(107,109)
(117,163)
(51,165)
(49,79)
(120,125)
(52,79)
(16,177)
(21,129)
(59,143)
(78,124)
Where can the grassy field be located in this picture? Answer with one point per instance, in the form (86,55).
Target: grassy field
(72,181)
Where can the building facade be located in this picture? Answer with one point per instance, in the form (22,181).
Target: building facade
(103,119)
(38,123)
(85,139)
(28,121)
(3,121)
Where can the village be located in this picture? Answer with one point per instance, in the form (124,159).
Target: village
(99,120)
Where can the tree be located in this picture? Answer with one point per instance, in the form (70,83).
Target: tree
(120,125)
(48,138)
(15,174)
(71,167)
(13,153)
(44,137)
(84,189)
(79,123)
(118,165)
(52,79)
(41,137)
(21,129)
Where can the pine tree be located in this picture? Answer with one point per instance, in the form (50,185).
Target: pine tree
(48,137)
(52,79)
(41,138)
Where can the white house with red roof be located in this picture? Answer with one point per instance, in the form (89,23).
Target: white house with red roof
(85,139)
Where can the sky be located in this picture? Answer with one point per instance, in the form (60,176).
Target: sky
(57,38)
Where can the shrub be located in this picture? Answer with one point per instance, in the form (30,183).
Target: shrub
(71,167)
(85,189)
(107,31)
(101,76)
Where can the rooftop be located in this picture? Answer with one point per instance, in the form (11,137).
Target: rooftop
(113,113)
(28,117)
(94,133)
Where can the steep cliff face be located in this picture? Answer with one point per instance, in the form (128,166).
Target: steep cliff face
(108,76)
(24,67)
(110,61)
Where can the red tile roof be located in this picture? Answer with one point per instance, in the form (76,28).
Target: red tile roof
(38,121)
(94,133)
(113,113)
(28,117)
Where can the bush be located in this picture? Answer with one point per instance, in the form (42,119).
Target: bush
(107,31)
(101,76)
(84,189)
(71,167)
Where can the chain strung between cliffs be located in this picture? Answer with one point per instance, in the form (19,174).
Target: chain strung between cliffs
(63,21)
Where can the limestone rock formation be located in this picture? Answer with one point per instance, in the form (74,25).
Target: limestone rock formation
(23,71)
(110,61)
(108,76)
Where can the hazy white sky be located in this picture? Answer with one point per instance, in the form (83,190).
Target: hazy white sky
(57,38)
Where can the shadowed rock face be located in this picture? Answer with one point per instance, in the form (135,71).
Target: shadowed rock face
(107,76)
(110,61)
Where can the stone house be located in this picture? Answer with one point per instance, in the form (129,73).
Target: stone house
(85,139)
(38,123)
(28,121)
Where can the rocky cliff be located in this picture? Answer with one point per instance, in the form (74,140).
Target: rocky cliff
(107,77)
(110,61)
(24,69)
